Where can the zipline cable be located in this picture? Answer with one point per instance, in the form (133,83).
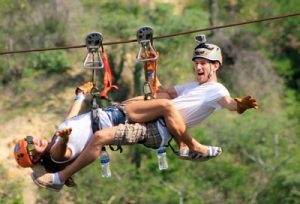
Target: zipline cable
(158,37)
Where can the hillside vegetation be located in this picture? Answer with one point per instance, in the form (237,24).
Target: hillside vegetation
(261,158)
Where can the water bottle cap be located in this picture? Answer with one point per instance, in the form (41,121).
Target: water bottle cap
(161,150)
(104,160)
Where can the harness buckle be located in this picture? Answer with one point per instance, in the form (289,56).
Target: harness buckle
(148,93)
(146,52)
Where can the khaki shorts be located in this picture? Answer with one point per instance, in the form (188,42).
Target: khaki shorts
(138,133)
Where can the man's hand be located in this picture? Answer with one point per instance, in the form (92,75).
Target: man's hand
(64,134)
(168,93)
(245,103)
(85,88)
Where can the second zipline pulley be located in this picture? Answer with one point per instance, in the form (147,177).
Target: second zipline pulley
(149,57)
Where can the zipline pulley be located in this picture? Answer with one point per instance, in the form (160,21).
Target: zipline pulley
(93,59)
(145,38)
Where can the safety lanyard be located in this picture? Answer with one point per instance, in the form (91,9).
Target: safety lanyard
(96,58)
(149,57)
(107,78)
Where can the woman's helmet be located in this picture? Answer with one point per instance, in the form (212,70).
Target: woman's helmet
(23,152)
(207,51)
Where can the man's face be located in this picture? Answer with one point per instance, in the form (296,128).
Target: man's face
(202,69)
(40,146)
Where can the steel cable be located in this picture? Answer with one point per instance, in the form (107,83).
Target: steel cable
(158,37)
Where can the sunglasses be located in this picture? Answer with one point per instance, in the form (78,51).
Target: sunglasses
(30,146)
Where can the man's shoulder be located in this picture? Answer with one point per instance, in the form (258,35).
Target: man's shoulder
(217,85)
(190,84)
(222,89)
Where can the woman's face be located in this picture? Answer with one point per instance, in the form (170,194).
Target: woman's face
(39,149)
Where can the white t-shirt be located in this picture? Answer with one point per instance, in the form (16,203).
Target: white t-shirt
(82,131)
(196,102)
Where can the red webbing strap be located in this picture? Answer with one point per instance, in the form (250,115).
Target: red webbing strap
(107,78)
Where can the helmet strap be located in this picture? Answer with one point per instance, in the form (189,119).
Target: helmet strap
(210,72)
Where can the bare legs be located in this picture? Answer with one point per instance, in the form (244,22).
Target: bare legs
(91,152)
(149,110)
(144,111)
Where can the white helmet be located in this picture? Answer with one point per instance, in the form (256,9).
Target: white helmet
(208,51)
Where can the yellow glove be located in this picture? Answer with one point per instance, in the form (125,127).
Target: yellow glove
(245,103)
(64,134)
(85,88)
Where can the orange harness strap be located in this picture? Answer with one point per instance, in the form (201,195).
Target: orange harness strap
(151,66)
(107,78)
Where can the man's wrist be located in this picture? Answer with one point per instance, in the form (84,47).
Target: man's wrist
(239,109)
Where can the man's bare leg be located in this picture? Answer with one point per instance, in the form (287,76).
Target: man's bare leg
(149,110)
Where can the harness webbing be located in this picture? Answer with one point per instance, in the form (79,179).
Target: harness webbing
(150,70)
(95,115)
(107,86)
(107,78)
(151,66)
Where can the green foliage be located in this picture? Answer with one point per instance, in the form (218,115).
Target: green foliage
(258,146)
(292,100)
(50,62)
(284,187)
(28,25)
(11,192)
(231,181)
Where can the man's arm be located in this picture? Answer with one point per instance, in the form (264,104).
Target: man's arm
(165,93)
(238,104)
(162,93)
(228,103)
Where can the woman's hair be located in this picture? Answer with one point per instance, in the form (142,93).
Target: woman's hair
(49,165)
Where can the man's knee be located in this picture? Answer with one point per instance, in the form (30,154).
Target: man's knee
(104,136)
(166,105)
(94,146)
(98,138)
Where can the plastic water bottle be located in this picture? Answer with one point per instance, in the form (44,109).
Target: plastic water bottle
(162,158)
(104,161)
